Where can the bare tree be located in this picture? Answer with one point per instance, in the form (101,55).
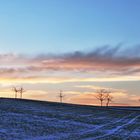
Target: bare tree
(15,90)
(61,96)
(21,90)
(101,95)
(108,98)
(18,90)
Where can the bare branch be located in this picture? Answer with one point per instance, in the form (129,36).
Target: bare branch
(101,95)
(109,99)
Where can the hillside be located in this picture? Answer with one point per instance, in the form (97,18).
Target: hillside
(38,120)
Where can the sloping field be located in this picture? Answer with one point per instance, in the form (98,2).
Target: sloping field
(36,120)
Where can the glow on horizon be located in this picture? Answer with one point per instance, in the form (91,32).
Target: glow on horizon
(65,80)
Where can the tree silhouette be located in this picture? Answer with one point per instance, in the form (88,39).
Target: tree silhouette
(61,96)
(21,90)
(101,95)
(108,98)
(16,91)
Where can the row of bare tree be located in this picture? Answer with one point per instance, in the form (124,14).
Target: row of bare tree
(18,90)
(104,95)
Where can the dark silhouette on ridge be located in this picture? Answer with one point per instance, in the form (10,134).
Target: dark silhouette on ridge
(61,96)
(20,91)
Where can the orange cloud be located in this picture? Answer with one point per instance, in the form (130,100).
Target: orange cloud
(109,60)
(57,80)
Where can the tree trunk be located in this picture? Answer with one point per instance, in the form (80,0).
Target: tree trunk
(101,103)
(15,95)
(60,99)
(107,103)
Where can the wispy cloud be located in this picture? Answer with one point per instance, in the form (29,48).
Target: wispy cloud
(104,62)
(102,59)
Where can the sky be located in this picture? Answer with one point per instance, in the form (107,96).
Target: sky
(78,46)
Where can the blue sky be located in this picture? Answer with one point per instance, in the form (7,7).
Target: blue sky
(55,26)
(78,46)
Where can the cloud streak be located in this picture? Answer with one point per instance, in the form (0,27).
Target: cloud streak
(102,59)
(105,60)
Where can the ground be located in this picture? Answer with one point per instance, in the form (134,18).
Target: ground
(36,120)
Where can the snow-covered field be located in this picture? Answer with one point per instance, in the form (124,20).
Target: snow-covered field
(34,120)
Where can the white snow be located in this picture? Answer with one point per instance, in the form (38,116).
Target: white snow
(30,120)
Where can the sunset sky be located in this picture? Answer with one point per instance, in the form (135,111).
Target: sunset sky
(78,46)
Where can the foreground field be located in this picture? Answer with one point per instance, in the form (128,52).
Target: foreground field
(34,120)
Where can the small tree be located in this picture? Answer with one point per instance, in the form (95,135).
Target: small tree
(61,96)
(16,91)
(101,95)
(108,98)
(21,90)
